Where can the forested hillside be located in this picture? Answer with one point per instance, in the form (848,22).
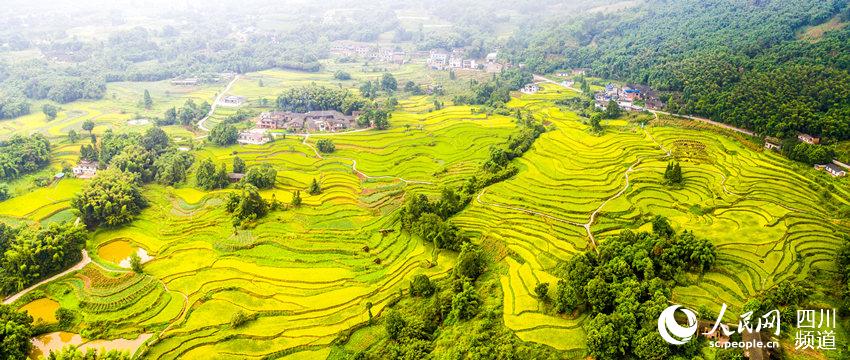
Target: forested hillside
(736,61)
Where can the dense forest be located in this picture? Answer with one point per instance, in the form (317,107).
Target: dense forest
(21,155)
(28,255)
(737,61)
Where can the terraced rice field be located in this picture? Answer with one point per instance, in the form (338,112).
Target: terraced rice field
(309,273)
(766,220)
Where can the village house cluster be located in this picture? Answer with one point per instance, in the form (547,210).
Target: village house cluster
(626,97)
(313,121)
(440,59)
(368,51)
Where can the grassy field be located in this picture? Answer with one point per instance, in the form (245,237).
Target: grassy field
(307,274)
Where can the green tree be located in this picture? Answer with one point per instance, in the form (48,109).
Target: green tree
(112,198)
(470,262)
(135,159)
(263,176)
(596,123)
(326,146)
(71,352)
(238,165)
(389,83)
(315,188)
(4,192)
(224,134)
(412,88)
(248,205)
(171,167)
(541,291)
(136,263)
(73,136)
(661,227)
(673,174)
(170,116)
(652,347)
(208,178)
(147,100)
(342,75)
(394,324)
(15,333)
(50,111)
(566,298)
(296,198)
(422,286)
(465,304)
(155,140)
(88,125)
(612,110)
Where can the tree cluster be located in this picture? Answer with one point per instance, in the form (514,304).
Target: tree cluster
(22,155)
(430,220)
(71,352)
(150,156)
(223,134)
(314,97)
(15,333)
(112,198)
(807,153)
(190,113)
(626,285)
(28,255)
(673,174)
(247,205)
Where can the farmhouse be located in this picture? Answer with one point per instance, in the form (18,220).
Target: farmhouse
(530,88)
(629,94)
(491,57)
(232,100)
(185,82)
(806,138)
(438,59)
(832,169)
(235,177)
(275,119)
(85,169)
(771,143)
(328,121)
(253,136)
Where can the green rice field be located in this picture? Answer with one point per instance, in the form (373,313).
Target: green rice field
(308,273)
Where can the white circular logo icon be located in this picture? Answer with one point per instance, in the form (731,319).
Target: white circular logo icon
(671,331)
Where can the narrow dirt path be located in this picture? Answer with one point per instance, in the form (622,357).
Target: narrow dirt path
(214,105)
(354,162)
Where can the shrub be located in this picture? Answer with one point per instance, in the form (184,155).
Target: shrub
(421,286)
(326,146)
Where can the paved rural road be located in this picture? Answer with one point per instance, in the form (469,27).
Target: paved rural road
(202,122)
(85,261)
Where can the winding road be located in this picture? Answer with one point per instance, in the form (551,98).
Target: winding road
(85,261)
